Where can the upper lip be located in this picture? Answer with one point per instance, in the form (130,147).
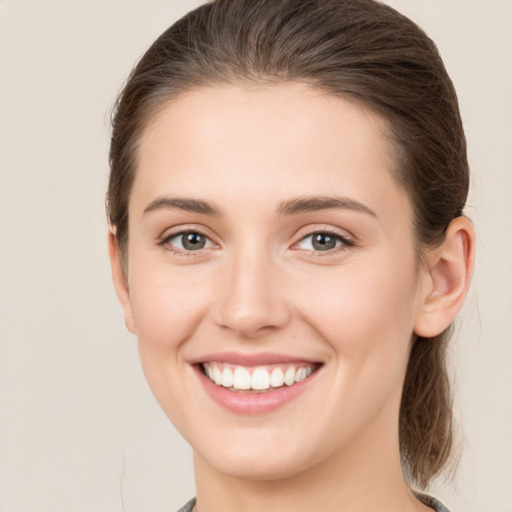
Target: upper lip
(242,359)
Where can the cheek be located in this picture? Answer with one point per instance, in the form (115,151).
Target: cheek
(363,309)
(167,307)
(366,318)
(167,304)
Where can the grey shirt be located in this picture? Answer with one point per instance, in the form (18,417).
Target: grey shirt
(424,498)
(188,507)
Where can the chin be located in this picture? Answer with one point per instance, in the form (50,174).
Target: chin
(250,459)
(256,468)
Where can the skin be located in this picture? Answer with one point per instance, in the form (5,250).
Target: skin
(259,285)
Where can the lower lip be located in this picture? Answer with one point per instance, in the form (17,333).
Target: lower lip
(254,403)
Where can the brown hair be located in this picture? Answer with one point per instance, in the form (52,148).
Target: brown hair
(354,48)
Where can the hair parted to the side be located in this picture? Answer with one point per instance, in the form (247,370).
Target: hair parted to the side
(359,49)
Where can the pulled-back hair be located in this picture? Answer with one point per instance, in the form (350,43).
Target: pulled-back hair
(358,49)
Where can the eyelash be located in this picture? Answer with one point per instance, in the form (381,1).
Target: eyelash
(345,242)
(165,242)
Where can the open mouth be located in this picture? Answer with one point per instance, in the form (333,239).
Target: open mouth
(257,379)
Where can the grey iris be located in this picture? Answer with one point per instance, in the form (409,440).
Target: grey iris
(323,242)
(193,241)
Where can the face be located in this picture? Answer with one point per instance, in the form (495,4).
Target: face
(271,280)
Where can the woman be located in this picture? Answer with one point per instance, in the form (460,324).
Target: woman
(288,244)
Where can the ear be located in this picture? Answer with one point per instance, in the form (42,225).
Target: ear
(446,280)
(120,281)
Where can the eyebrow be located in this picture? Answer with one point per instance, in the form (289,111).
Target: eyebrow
(314,204)
(292,207)
(183,203)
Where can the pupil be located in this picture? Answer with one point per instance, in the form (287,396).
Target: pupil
(193,241)
(323,242)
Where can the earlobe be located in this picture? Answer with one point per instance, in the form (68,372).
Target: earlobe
(120,281)
(449,270)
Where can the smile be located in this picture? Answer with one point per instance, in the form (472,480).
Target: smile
(260,378)
(256,384)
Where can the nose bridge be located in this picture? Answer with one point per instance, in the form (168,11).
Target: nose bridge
(252,302)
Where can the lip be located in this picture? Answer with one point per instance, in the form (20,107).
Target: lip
(253,403)
(249,360)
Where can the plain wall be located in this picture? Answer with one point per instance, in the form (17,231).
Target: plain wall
(79,428)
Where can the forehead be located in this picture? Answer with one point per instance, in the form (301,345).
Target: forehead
(288,109)
(286,137)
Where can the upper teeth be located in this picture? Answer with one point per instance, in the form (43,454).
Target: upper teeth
(261,378)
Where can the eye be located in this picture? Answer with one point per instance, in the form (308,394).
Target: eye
(188,241)
(323,241)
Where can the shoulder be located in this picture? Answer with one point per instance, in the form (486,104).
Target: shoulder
(431,502)
(188,507)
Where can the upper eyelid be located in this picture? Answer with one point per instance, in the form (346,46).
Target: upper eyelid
(311,230)
(171,236)
(330,233)
(181,229)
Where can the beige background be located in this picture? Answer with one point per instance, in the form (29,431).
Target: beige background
(79,429)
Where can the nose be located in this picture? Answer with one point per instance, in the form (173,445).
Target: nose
(252,300)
